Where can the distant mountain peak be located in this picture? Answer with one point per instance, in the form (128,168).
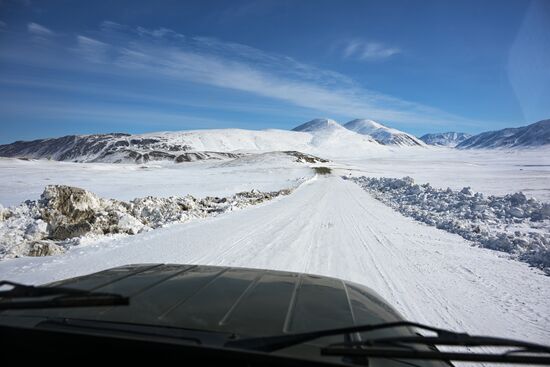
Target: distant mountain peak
(327,132)
(382,134)
(318,124)
(447,139)
(365,124)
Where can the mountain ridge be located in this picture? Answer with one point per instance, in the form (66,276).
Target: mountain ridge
(320,137)
(184,146)
(446,139)
(533,135)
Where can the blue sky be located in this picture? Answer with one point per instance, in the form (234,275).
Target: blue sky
(71,67)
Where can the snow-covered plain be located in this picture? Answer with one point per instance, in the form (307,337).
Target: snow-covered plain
(492,172)
(22,180)
(332,227)
(327,226)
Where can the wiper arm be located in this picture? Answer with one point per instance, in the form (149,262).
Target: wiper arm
(272,343)
(449,338)
(22,296)
(395,347)
(402,347)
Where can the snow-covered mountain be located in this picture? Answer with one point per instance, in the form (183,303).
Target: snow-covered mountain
(110,148)
(329,135)
(448,139)
(183,146)
(382,134)
(319,125)
(533,135)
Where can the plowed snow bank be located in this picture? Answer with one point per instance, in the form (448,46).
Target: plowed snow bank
(64,215)
(510,223)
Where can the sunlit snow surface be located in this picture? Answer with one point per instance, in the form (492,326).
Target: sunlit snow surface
(327,226)
(332,227)
(22,180)
(496,172)
(492,172)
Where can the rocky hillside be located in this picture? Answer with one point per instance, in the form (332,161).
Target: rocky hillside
(330,139)
(109,148)
(448,139)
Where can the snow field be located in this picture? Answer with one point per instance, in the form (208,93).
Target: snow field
(332,227)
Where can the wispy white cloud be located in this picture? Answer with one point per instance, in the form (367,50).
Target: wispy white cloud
(368,50)
(3,24)
(39,30)
(165,54)
(91,49)
(142,97)
(158,33)
(69,111)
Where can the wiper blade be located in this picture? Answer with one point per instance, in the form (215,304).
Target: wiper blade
(396,347)
(272,343)
(394,353)
(403,347)
(449,338)
(22,296)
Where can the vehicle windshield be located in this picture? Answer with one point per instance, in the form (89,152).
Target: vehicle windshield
(261,168)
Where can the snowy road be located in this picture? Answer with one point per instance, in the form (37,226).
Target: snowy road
(332,227)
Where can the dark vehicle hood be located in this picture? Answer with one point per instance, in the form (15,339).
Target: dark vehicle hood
(247,302)
(231,302)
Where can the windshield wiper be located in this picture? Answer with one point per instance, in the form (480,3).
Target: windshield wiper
(22,296)
(272,343)
(401,347)
(404,347)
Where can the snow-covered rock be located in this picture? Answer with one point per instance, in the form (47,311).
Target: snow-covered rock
(510,223)
(69,211)
(448,139)
(36,230)
(129,224)
(382,134)
(516,212)
(44,248)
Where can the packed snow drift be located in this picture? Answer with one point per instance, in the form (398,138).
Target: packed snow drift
(65,214)
(510,223)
